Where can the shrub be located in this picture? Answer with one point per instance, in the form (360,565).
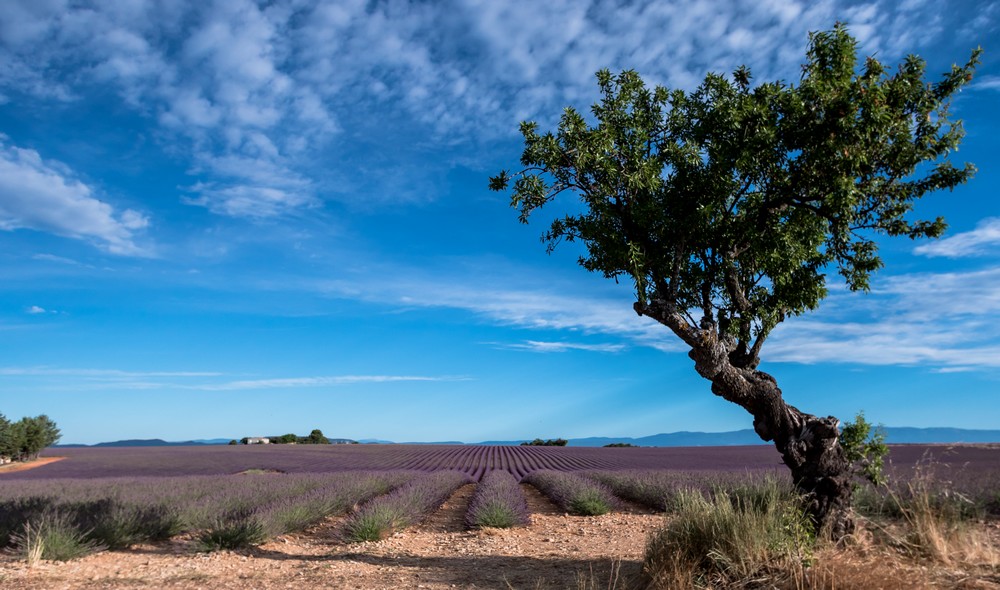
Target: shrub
(237,529)
(737,535)
(498,502)
(655,489)
(115,524)
(52,535)
(14,513)
(291,514)
(405,506)
(573,493)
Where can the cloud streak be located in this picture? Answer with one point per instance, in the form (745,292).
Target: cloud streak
(983,240)
(547,347)
(936,320)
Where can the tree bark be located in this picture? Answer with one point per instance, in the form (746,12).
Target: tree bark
(809,445)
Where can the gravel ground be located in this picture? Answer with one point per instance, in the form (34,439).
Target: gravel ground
(555,551)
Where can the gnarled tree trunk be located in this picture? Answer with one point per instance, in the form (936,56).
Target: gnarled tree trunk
(809,445)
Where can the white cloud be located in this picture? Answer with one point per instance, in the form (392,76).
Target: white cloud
(932,320)
(939,321)
(45,196)
(978,242)
(986,83)
(35,310)
(541,346)
(273,85)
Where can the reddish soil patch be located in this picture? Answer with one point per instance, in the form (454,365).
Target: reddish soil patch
(12,467)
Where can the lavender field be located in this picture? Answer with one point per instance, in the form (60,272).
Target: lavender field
(471,460)
(238,496)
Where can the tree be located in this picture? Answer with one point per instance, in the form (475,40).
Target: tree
(36,434)
(316,438)
(727,206)
(549,442)
(8,445)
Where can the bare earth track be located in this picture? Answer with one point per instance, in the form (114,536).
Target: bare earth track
(14,467)
(553,552)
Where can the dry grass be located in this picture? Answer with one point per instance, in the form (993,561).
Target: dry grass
(932,541)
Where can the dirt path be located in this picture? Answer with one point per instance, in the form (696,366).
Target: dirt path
(12,467)
(553,552)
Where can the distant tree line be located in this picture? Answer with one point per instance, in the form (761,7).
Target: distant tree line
(621,445)
(552,442)
(315,438)
(24,439)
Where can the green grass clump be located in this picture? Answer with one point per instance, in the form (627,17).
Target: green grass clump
(52,535)
(497,503)
(739,534)
(403,507)
(573,493)
(238,529)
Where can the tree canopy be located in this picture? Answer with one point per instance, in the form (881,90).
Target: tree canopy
(733,201)
(728,206)
(27,437)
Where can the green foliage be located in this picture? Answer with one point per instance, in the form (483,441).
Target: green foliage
(736,536)
(735,199)
(551,442)
(114,524)
(316,438)
(26,438)
(53,534)
(589,502)
(496,515)
(237,529)
(864,447)
(374,523)
(622,445)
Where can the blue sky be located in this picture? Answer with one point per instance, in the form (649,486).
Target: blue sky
(222,219)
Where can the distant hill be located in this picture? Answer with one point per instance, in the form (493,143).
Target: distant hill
(156,442)
(894,435)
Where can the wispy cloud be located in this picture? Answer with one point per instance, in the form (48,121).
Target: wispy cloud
(934,320)
(46,196)
(548,309)
(35,310)
(940,321)
(329,381)
(291,88)
(983,240)
(545,347)
(986,83)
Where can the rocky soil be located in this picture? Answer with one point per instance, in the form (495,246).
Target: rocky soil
(555,551)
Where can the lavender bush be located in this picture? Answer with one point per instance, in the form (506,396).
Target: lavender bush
(225,511)
(404,507)
(659,489)
(244,524)
(498,502)
(573,493)
(296,513)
